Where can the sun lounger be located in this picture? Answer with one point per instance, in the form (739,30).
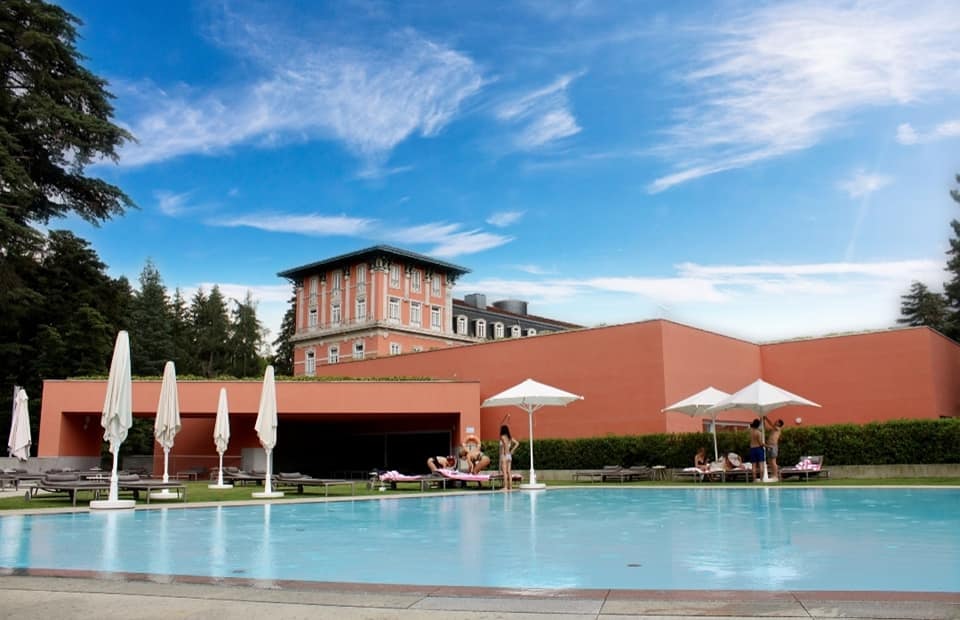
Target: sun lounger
(237,477)
(596,475)
(452,474)
(393,478)
(136,484)
(69,483)
(809,466)
(15,476)
(496,476)
(300,481)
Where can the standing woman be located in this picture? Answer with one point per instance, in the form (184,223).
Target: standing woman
(507,445)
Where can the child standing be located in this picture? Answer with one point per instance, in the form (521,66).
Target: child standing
(507,445)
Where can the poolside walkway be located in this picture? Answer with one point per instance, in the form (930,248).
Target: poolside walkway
(99,598)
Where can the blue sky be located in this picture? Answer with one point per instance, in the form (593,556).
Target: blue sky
(765,170)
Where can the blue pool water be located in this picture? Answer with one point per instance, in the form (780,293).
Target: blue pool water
(703,538)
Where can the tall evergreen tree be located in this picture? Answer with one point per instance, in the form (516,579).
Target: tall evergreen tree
(951,288)
(182,336)
(283,345)
(211,332)
(151,334)
(921,306)
(246,340)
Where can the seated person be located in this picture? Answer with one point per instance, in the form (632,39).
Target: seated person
(700,460)
(460,462)
(731,461)
(475,456)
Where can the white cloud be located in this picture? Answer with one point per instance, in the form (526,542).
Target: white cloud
(544,114)
(863,183)
(906,134)
(171,204)
(309,224)
(368,99)
(534,270)
(502,219)
(446,239)
(781,78)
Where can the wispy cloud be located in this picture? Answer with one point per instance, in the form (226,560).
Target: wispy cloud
(862,183)
(313,224)
(172,204)
(369,99)
(906,134)
(543,115)
(534,270)
(502,219)
(447,239)
(719,284)
(779,79)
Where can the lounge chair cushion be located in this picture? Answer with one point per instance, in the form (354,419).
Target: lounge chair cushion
(62,477)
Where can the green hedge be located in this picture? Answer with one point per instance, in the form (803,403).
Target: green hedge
(881,443)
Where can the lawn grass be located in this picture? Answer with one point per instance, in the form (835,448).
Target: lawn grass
(198,492)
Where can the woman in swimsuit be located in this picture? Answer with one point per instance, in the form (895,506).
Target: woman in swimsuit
(507,446)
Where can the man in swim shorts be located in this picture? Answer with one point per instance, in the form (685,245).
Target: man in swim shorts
(756,449)
(772,446)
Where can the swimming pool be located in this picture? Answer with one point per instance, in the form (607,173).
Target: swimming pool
(708,538)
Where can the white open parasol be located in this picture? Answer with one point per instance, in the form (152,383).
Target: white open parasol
(699,405)
(531,395)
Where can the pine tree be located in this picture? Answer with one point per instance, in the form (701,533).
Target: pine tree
(951,288)
(182,336)
(283,345)
(210,331)
(151,334)
(246,340)
(921,306)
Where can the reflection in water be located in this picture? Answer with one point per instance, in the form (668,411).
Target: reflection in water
(218,544)
(11,538)
(111,559)
(265,568)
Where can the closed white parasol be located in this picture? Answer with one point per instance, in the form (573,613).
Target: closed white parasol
(117,416)
(266,427)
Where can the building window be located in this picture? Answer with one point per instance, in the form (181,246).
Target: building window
(335,314)
(358,350)
(531,331)
(416,314)
(361,274)
(393,309)
(311,364)
(312,318)
(417,348)
(394,348)
(333,355)
(337,280)
(498,330)
(515,331)
(313,292)
(462,325)
(435,283)
(435,317)
(480,328)
(416,280)
(394,276)
(361,309)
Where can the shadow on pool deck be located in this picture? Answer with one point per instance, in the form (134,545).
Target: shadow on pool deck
(104,596)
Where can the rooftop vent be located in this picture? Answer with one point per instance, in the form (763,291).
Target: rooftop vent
(512,305)
(476,300)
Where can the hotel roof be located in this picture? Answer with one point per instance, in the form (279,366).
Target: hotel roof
(377,251)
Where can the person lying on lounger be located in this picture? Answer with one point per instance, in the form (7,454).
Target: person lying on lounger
(460,462)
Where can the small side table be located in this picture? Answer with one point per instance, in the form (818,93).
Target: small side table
(659,472)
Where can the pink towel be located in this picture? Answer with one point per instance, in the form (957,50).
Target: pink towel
(453,474)
(395,476)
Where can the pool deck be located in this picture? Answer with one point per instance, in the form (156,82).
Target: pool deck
(116,596)
(95,595)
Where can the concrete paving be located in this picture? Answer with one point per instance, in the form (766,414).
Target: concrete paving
(106,597)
